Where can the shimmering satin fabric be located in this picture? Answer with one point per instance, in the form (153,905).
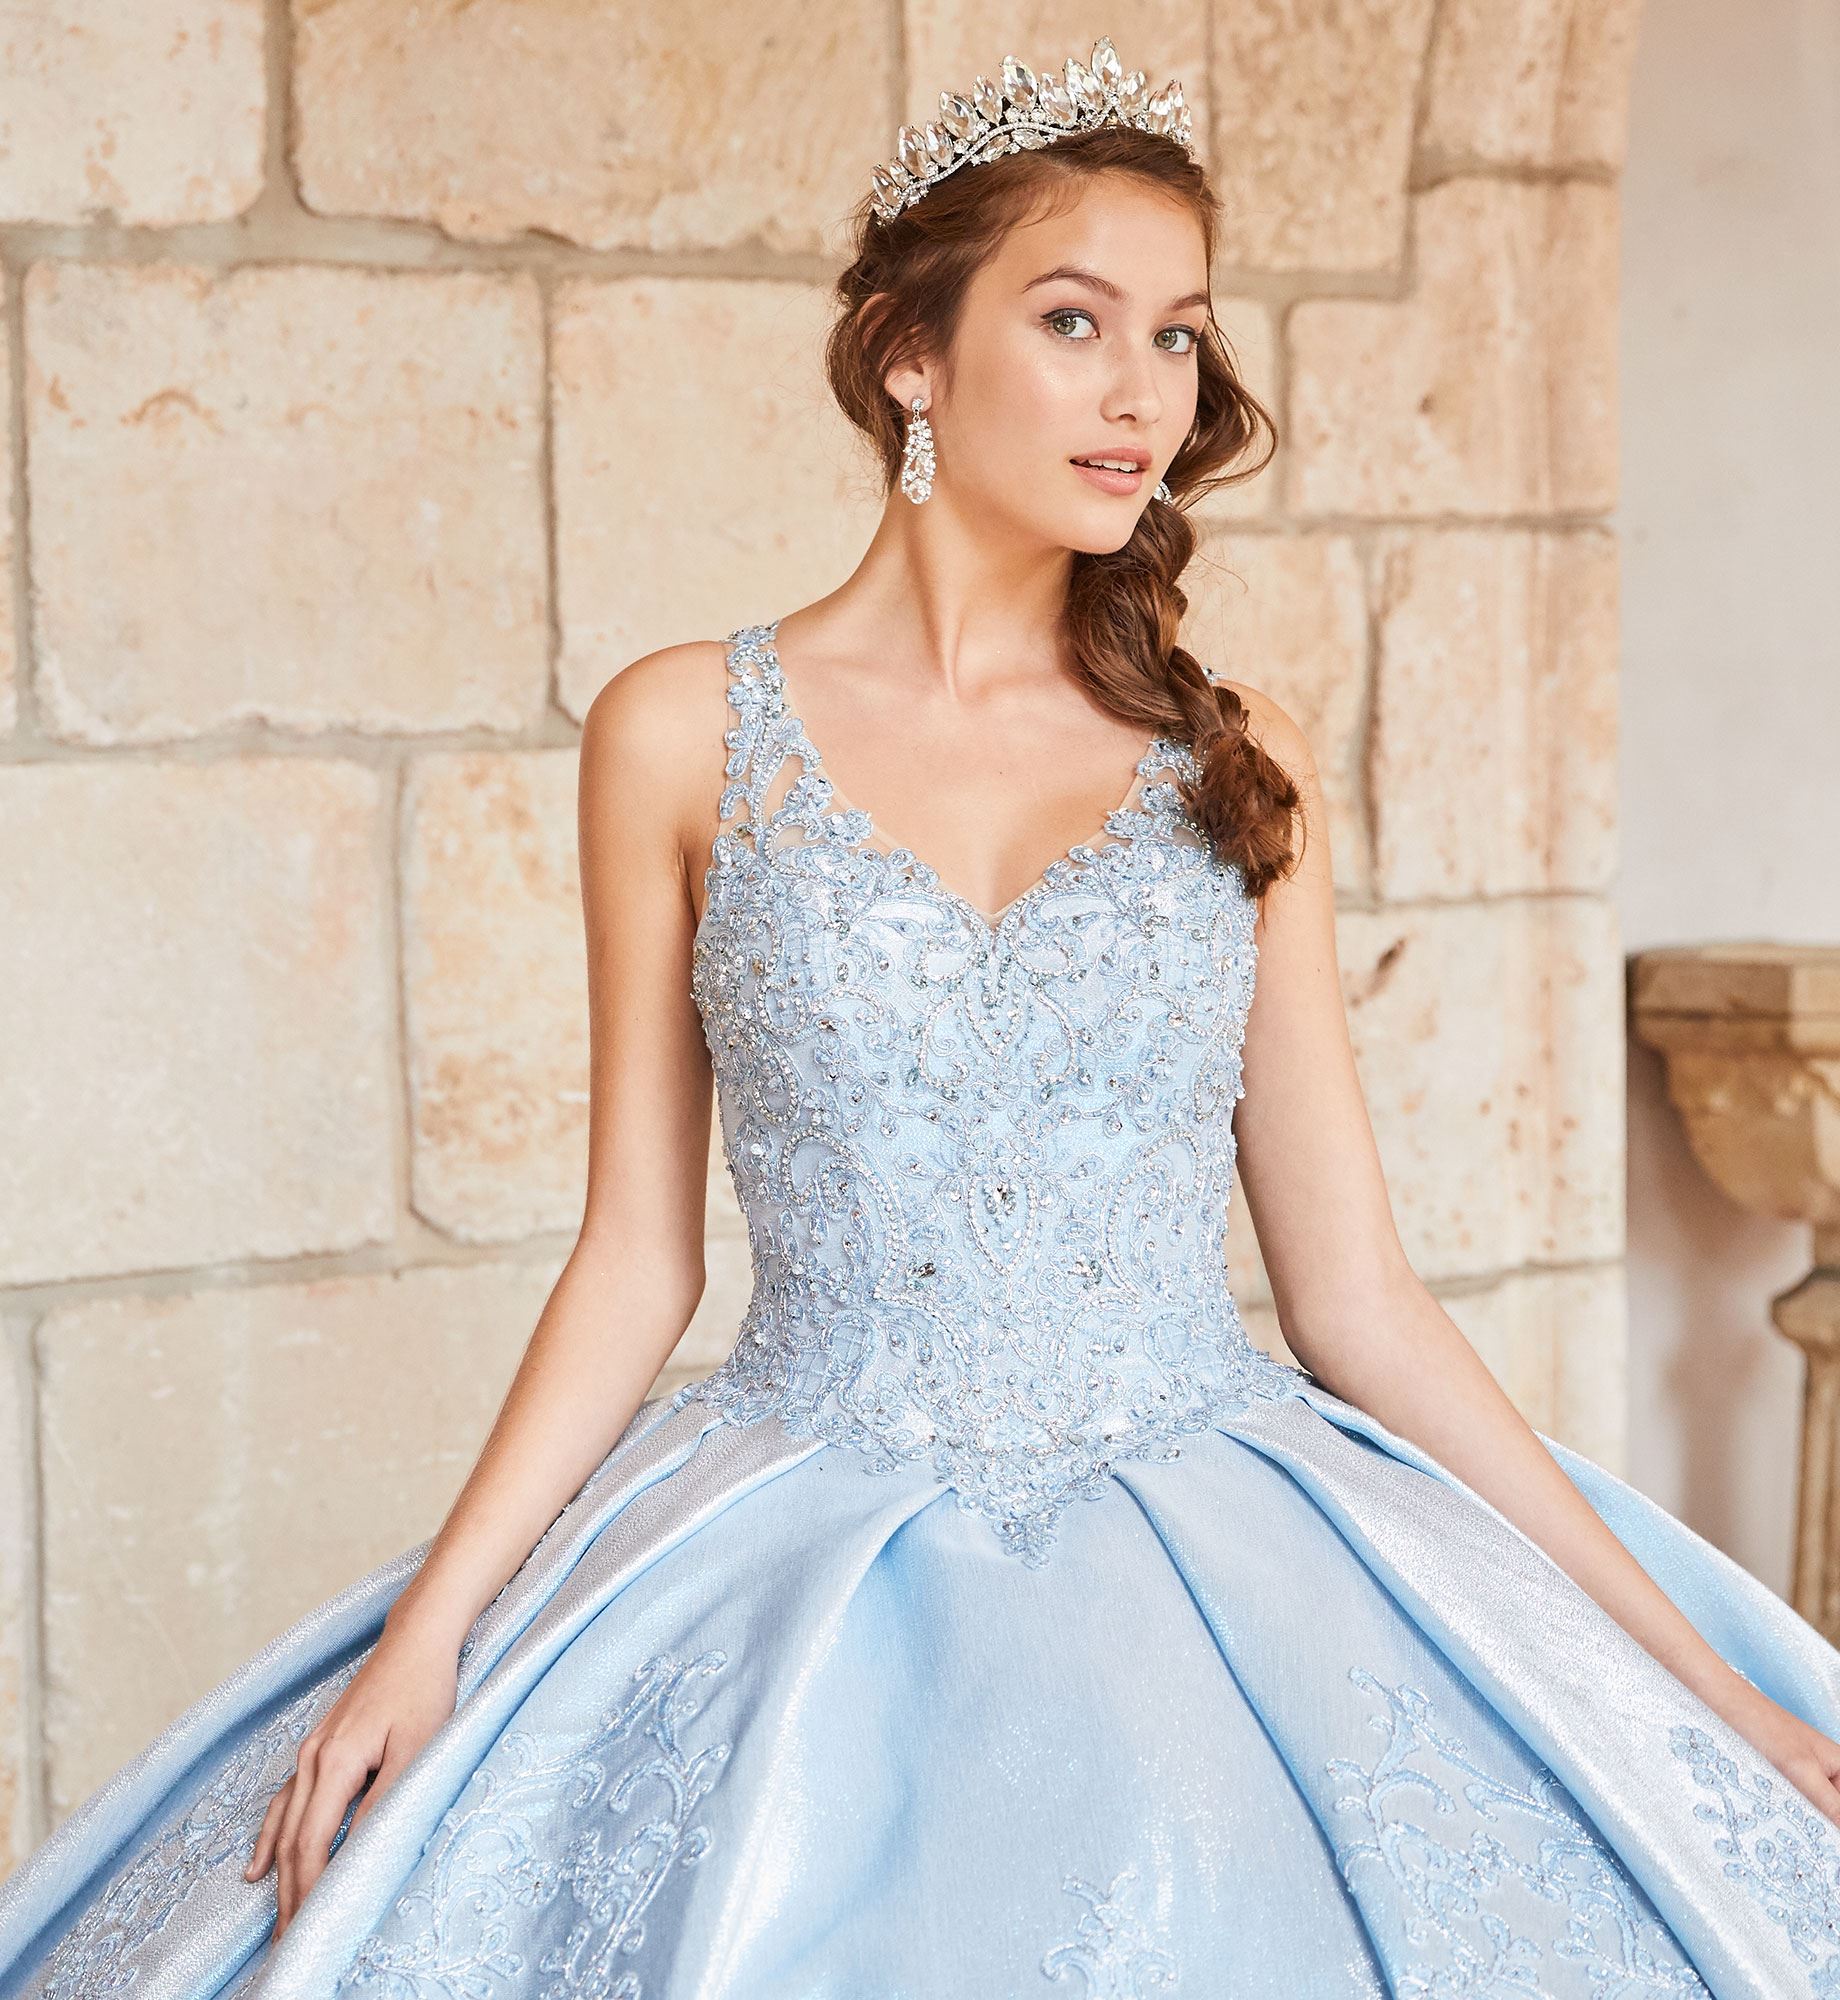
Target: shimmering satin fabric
(997,1620)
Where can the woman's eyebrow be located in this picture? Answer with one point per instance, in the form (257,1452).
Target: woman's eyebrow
(1105,285)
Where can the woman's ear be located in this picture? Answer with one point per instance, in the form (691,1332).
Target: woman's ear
(905,383)
(905,400)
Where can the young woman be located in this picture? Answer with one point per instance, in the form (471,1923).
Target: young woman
(998,1615)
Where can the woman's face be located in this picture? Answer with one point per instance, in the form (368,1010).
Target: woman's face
(1050,367)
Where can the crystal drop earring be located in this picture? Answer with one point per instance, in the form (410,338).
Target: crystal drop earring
(917,460)
(1162,492)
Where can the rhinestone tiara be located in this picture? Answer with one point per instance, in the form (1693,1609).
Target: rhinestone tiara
(1028,111)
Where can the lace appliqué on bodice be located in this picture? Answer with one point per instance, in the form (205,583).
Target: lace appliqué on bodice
(984,1163)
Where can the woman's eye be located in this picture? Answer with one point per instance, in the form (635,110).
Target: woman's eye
(1080,313)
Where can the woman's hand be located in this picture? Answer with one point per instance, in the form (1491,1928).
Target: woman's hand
(1809,1760)
(398,1698)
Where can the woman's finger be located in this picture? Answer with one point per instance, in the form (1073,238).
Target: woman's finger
(285,1839)
(385,1777)
(263,1851)
(338,1777)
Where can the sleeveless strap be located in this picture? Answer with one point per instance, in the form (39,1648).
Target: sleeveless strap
(755,754)
(762,735)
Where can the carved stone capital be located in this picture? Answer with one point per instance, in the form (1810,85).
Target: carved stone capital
(1751,1037)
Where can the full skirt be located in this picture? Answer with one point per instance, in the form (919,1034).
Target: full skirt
(1291,1715)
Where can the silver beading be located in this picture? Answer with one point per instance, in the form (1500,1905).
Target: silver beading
(917,461)
(1029,110)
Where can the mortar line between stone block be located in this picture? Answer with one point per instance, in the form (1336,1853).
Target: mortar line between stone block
(19,569)
(1469,1284)
(279,178)
(393,836)
(546,495)
(1416,149)
(36,1778)
(1370,557)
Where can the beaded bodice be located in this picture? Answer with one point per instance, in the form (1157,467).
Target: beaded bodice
(984,1162)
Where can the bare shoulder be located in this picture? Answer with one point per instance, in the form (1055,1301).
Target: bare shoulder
(657,708)
(653,734)
(1277,733)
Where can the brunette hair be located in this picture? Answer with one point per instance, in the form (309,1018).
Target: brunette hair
(901,296)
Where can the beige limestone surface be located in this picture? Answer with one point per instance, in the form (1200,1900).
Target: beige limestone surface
(151,114)
(197,1018)
(294,495)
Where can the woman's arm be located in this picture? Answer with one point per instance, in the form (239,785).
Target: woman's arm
(1354,1313)
(636,1272)
(631,1282)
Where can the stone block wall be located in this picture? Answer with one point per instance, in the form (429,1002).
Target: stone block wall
(378,381)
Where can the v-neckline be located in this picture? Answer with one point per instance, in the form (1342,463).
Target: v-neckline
(992,923)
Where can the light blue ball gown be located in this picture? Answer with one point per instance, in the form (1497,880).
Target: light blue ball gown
(998,1620)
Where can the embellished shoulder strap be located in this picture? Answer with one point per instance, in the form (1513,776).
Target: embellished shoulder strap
(750,657)
(756,748)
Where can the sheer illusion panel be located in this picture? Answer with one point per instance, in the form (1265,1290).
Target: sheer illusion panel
(838,822)
(781,797)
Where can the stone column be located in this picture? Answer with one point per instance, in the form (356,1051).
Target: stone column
(1751,1037)
(1809,1313)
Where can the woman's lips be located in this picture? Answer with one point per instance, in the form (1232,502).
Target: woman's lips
(1111,482)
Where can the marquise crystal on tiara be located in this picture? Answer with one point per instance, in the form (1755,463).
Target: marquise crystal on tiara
(1028,111)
